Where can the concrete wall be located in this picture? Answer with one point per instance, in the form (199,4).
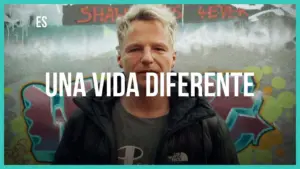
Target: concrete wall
(265,46)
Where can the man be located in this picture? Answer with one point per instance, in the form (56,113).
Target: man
(145,130)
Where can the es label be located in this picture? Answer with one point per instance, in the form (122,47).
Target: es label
(41,21)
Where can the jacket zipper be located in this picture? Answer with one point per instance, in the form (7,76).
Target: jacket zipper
(113,150)
(171,132)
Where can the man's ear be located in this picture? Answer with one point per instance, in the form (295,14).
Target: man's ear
(173,59)
(120,61)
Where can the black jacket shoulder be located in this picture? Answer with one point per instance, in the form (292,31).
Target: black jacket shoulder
(223,149)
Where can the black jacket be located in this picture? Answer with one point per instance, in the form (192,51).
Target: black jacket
(193,128)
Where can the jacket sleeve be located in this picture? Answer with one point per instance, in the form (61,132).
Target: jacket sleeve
(67,150)
(223,148)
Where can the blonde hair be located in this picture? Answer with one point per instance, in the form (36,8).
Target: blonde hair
(160,13)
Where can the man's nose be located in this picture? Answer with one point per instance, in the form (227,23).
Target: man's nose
(147,57)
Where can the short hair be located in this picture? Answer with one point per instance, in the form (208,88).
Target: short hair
(160,13)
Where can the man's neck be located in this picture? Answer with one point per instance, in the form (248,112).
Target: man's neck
(146,107)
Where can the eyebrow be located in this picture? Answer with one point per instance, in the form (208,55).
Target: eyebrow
(133,45)
(139,45)
(161,44)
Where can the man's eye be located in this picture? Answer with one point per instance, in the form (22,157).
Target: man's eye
(159,49)
(134,50)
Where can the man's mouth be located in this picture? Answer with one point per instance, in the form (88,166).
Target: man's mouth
(148,71)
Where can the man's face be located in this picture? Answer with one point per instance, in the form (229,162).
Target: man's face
(146,48)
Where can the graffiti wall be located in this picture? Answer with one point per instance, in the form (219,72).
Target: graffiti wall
(82,38)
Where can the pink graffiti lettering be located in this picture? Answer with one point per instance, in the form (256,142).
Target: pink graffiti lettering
(47,115)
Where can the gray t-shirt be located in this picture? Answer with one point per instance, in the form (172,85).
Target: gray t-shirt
(137,138)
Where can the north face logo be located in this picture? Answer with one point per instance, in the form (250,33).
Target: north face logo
(179,157)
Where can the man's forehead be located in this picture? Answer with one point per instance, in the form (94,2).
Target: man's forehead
(138,33)
(143,32)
